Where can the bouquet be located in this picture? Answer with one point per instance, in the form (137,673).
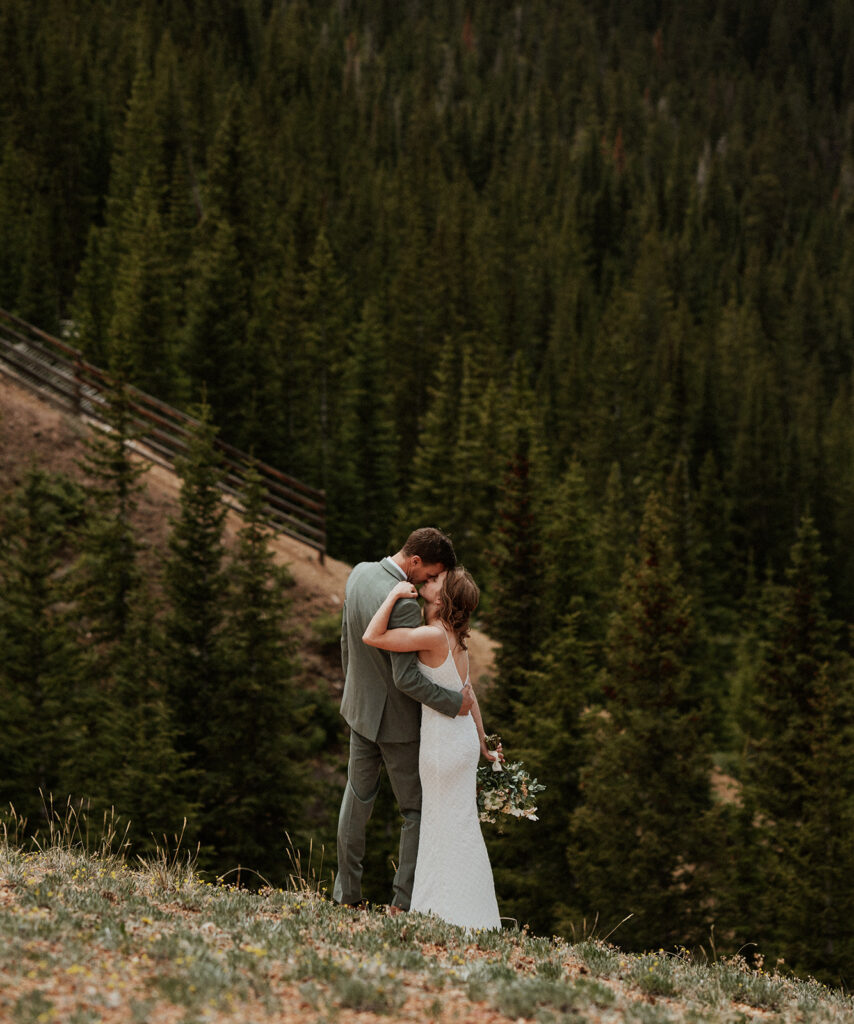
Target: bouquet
(505,789)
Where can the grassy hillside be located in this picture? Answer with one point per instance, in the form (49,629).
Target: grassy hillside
(89,936)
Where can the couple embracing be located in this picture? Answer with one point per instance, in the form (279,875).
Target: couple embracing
(410,706)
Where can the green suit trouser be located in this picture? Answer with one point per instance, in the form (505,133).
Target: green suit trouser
(363,780)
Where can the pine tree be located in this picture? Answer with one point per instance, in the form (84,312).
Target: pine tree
(839,456)
(108,574)
(219,293)
(229,196)
(38,299)
(816,903)
(631,408)
(108,590)
(530,858)
(283,325)
(798,640)
(138,162)
(217,317)
(431,495)
(613,530)
(417,308)
(759,470)
(324,349)
(568,544)
(194,664)
(149,781)
(362,494)
(92,304)
(513,618)
(15,172)
(40,664)
(474,467)
(138,154)
(144,325)
(256,786)
(640,835)
(798,771)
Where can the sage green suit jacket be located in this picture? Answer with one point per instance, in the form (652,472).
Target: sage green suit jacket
(384,691)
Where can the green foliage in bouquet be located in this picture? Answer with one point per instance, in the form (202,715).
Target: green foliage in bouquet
(505,788)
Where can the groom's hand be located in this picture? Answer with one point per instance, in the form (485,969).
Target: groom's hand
(468,700)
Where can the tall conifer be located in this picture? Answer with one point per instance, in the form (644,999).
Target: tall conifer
(363,490)
(256,786)
(569,579)
(123,754)
(194,582)
(40,667)
(512,614)
(799,769)
(535,883)
(430,496)
(217,317)
(638,838)
(108,574)
(324,349)
(143,329)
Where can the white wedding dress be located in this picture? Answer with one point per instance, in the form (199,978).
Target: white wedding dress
(453,878)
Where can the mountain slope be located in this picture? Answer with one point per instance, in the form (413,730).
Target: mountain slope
(32,430)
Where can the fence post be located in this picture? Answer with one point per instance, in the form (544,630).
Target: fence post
(78,388)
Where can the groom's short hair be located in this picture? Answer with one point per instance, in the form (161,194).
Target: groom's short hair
(431,546)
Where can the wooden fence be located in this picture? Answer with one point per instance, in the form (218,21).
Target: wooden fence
(58,372)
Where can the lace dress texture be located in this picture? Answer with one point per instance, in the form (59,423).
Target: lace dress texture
(453,878)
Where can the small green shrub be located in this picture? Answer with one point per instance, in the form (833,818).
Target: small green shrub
(655,975)
(326,634)
(601,960)
(32,1008)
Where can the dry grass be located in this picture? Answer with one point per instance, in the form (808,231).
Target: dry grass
(86,935)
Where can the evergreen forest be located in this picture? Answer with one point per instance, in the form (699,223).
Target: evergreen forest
(572,281)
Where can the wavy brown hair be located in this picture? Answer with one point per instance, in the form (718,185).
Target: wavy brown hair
(458,598)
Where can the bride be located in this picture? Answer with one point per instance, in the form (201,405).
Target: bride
(453,878)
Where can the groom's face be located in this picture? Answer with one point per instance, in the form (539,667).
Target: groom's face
(420,572)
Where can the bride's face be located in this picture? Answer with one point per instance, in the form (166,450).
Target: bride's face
(431,589)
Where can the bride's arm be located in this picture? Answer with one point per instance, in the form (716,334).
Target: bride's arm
(417,638)
(490,755)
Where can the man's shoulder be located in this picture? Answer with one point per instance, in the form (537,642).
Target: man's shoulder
(368,575)
(365,569)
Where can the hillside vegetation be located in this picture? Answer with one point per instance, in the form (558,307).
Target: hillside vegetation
(89,936)
(572,281)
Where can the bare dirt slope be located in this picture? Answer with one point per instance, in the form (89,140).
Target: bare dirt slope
(34,431)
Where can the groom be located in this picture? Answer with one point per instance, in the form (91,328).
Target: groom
(383,694)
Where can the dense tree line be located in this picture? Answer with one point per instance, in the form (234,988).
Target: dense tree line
(573,282)
(160,697)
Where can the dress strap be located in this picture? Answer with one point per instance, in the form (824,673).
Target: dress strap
(451,652)
(450,649)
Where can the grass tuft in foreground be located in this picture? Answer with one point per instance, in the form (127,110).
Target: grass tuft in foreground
(85,936)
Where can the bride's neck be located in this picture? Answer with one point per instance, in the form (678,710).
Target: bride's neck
(444,626)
